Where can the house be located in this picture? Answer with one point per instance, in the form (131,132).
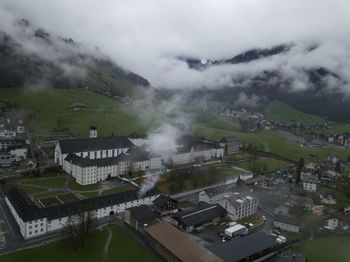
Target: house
(165,205)
(231,144)
(329,197)
(332,223)
(34,221)
(78,106)
(327,179)
(246,176)
(139,217)
(264,182)
(309,182)
(290,224)
(333,158)
(6,133)
(6,142)
(239,206)
(214,194)
(201,217)
(318,210)
(174,245)
(20,129)
(6,159)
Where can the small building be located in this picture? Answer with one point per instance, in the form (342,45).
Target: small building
(20,129)
(78,106)
(246,176)
(310,182)
(333,158)
(329,197)
(5,133)
(290,224)
(165,205)
(199,218)
(231,144)
(139,217)
(332,223)
(6,159)
(173,245)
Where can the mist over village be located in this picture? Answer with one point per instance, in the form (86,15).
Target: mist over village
(212,131)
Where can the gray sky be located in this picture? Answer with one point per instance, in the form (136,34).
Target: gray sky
(146,36)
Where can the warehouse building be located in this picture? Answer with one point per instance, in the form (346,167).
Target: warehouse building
(175,246)
(201,217)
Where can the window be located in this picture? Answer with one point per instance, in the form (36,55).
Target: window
(36,231)
(30,232)
(42,230)
(30,227)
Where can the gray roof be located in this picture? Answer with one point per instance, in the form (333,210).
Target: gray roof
(162,200)
(287,220)
(200,215)
(93,144)
(240,248)
(136,156)
(216,190)
(310,178)
(142,213)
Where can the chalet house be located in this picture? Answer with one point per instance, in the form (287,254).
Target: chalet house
(329,198)
(139,217)
(165,205)
(231,144)
(78,106)
(327,179)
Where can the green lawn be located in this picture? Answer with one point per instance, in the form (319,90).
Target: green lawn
(89,194)
(31,190)
(271,164)
(186,204)
(51,193)
(327,249)
(62,251)
(117,190)
(280,112)
(57,182)
(75,186)
(124,248)
(292,150)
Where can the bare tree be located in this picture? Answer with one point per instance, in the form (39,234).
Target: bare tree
(78,228)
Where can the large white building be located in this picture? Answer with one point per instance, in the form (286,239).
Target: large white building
(89,171)
(196,153)
(34,221)
(94,159)
(238,205)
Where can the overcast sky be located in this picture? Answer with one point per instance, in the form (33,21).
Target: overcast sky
(146,36)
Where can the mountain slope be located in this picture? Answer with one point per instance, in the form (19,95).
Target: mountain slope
(36,57)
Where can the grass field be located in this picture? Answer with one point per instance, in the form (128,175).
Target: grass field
(57,182)
(117,190)
(75,186)
(271,164)
(280,112)
(291,150)
(62,251)
(89,194)
(124,247)
(51,193)
(31,190)
(327,249)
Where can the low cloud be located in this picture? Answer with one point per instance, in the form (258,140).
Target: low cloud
(146,37)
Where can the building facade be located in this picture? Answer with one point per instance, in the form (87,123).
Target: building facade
(34,221)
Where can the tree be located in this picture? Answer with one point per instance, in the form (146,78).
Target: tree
(298,173)
(78,228)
